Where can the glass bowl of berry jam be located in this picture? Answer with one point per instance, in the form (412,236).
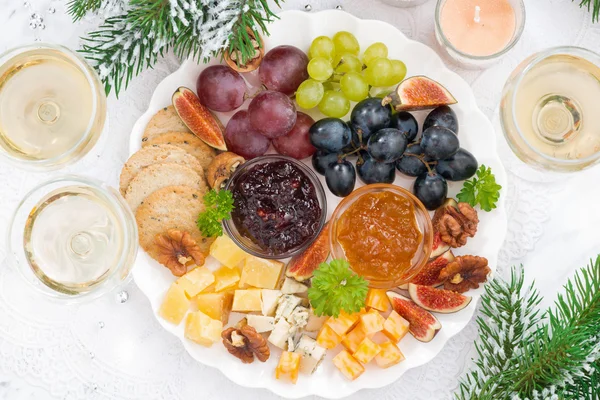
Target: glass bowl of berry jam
(279,207)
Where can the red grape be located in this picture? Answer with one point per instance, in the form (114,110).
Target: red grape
(283,69)
(297,143)
(241,138)
(272,113)
(220,88)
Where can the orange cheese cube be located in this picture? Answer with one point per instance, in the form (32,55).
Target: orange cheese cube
(372,322)
(328,338)
(389,355)
(353,338)
(202,329)
(215,305)
(343,323)
(175,304)
(366,351)
(226,278)
(288,367)
(348,365)
(395,327)
(196,281)
(377,299)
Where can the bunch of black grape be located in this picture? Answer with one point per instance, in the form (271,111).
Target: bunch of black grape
(384,142)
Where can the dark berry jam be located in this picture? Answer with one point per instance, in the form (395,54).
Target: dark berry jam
(276,206)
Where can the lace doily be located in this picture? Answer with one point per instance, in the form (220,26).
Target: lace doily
(113,348)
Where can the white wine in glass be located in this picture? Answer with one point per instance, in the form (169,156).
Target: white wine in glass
(549,109)
(52,106)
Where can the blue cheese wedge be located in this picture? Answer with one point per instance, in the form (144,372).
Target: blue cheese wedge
(261,323)
(291,286)
(282,331)
(299,317)
(312,354)
(286,305)
(270,300)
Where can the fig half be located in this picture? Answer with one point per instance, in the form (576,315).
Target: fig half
(430,274)
(423,325)
(439,247)
(419,93)
(302,266)
(437,300)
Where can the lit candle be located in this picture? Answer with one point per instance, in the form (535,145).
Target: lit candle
(476,29)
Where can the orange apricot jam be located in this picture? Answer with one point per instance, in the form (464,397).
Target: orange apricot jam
(379,235)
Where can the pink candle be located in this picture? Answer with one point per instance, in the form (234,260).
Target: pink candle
(478,27)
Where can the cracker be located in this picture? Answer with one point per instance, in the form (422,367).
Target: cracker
(185,141)
(156,154)
(165,120)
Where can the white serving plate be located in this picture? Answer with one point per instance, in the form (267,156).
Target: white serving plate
(476,135)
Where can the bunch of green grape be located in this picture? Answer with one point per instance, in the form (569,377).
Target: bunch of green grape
(338,75)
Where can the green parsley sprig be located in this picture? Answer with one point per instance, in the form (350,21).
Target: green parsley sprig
(335,288)
(482,190)
(218,207)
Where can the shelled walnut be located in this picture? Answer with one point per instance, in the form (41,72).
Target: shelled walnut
(464,273)
(178,250)
(456,222)
(245,343)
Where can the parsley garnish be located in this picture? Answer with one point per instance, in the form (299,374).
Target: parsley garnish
(482,190)
(335,288)
(218,207)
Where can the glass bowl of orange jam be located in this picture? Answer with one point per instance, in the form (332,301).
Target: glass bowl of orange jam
(384,232)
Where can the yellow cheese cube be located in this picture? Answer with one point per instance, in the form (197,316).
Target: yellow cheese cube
(196,281)
(372,322)
(288,367)
(366,351)
(247,300)
(202,329)
(328,338)
(215,305)
(343,323)
(354,338)
(395,327)
(348,365)
(175,304)
(227,252)
(377,299)
(389,355)
(226,278)
(260,273)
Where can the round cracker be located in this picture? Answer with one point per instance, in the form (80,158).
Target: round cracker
(185,141)
(156,154)
(165,120)
(158,176)
(172,207)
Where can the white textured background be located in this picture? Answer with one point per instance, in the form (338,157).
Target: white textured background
(113,350)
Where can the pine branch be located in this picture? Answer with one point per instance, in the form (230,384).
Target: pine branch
(593,6)
(126,44)
(80,8)
(555,357)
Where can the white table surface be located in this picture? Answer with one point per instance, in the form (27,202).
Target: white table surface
(113,350)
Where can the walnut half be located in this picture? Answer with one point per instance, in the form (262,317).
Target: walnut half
(464,273)
(455,222)
(178,250)
(245,343)
(222,168)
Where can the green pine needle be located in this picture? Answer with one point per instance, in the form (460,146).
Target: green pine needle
(593,6)
(525,355)
(218,208)
(482,190)
(335,288)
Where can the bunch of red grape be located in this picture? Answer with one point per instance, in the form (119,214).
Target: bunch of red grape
(271,116)
(338,75)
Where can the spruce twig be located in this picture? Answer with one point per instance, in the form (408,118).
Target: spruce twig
(593,6)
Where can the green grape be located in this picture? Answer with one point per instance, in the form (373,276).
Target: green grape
(347,63)
(398,72)
(374,51)
(354,86)
(309,94)
(322,46)
(379,73)
(345,42)
(320,69)
(334,104)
